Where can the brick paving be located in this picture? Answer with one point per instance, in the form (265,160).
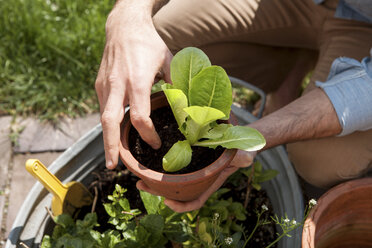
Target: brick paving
(43,141)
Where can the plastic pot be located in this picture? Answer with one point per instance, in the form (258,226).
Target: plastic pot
(75,164)
(342,217)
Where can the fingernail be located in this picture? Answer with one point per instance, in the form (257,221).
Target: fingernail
(157,144)
(109,164)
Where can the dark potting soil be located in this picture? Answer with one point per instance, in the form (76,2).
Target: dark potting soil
(167,128)
(265,234)
(104,185)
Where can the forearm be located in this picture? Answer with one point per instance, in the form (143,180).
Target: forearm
(310,116)
(131,17)
(147,7)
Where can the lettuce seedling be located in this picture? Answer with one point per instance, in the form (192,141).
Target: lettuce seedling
(201,95)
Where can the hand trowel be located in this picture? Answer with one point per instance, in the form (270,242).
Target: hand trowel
(67,198)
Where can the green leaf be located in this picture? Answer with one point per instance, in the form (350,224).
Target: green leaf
(110,209)
(203,232)
(154,224)
(257,186)
(110,238)
(193,131)
(119,190)
(124,204)
(178,156)
(64,220)
(236,238)
(243,138)
(215,132)
(257,168)
(212,88)
(177,231)
(96,235)
(89,221)
(202,228)
(267,175)
(141,235)
(151,202)
(206,237)
(204,115)
(177,101)
(185,65)
(68,241)
(46,243)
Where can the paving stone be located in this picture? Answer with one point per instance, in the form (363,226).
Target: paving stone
(22,182)
(5,149)
(5,155)
(43,136)
(2,208)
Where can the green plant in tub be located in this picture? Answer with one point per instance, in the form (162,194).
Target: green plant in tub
(201,95)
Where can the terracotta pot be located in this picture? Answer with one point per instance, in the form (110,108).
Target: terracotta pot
(342,217)
(182,187)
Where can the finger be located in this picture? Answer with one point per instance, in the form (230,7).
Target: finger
(99,85)
(166,67)
(111,118)
(142,186)
(243,159)
(140,109)
(181,207)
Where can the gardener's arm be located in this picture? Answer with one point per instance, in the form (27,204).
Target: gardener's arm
(134,54)
(340,106)
(310,116)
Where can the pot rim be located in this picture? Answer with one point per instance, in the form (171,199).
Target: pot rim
(139,169)
(308,235)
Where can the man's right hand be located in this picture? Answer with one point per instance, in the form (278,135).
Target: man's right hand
(134,54)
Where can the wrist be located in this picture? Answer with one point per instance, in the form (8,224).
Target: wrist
(125,11)
(127,16)
(143,8)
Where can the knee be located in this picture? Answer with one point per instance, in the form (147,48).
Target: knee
(307,166)
(327,162)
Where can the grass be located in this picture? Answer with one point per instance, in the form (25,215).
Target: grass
(50,52)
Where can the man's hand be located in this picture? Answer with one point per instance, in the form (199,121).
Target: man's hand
(134,54)
(242,159)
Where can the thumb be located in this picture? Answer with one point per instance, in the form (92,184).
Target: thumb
(166,67)
(243,158)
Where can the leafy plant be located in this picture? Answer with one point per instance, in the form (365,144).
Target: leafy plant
(258,175)
(131,228)
(216,224)
(201,95)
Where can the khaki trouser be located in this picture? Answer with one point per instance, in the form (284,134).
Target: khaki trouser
(263,42)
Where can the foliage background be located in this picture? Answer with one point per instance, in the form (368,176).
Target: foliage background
(50,52)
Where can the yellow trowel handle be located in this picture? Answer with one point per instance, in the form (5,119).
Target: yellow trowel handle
(50,181)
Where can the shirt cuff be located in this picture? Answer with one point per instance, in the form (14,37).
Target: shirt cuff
(349,88)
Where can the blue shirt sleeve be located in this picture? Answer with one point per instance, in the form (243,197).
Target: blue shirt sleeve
(359,10)
(349,87)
